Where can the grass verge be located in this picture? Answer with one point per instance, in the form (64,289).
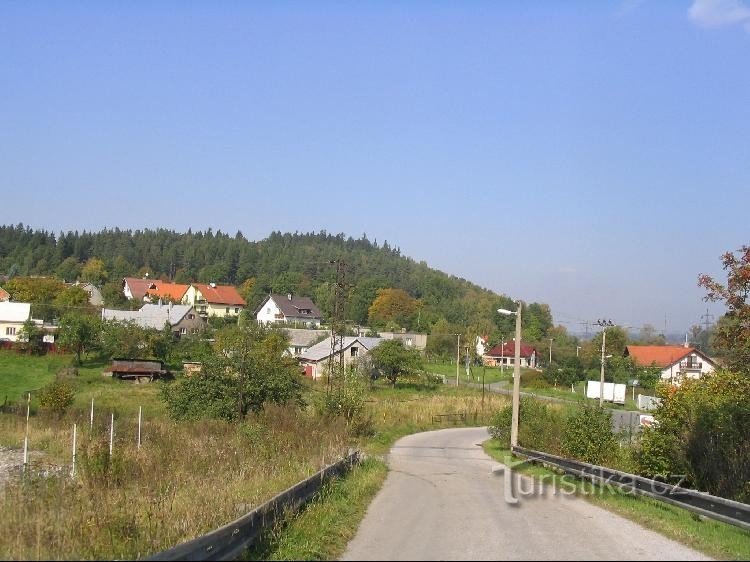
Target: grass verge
(714,538)
(323,528)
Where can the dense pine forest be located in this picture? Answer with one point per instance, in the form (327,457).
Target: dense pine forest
(378,277)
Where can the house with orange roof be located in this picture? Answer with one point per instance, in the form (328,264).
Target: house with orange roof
(676,362)
(214,300)
(4,295)
(153,290)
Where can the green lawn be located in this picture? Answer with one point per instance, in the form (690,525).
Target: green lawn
(717,539)
(20,374)
(491,374)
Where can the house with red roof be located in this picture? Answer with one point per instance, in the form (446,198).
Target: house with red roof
(152,290)
(4,295)
(214,300)
(504,354)
(676,362)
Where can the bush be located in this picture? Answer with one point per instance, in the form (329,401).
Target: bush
(346,399)
(57,397)
(702,432)
(588,436)
(539,427)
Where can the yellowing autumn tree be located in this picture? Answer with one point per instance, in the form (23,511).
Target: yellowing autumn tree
(392,306)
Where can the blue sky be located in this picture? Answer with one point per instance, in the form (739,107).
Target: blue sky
(594,156)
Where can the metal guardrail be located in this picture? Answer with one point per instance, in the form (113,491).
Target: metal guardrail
(722,509)
(230,541)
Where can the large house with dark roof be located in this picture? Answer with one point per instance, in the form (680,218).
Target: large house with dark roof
(214,300)
(504,354)
(676,362)
(289,309)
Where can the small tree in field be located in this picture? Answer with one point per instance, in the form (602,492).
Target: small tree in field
(246,370)
(732,333)
(392,359)
(79,333)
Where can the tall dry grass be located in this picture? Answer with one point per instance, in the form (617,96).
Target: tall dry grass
(185,480)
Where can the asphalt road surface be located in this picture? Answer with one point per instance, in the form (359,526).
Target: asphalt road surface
(444,500)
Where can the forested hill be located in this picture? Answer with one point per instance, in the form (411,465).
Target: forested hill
(282,263)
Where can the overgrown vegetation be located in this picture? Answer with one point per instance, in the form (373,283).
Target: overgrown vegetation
(190,476)
(703,433)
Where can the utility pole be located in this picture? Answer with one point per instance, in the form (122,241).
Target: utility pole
(707,317)
(458,356)
(338,321)
(577,348)
(604,324)
(502,353)
(550,351)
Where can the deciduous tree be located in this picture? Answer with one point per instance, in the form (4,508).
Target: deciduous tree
(393,360)
(732,333)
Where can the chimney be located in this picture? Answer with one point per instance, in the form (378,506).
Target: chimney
(686,340)
(289,296)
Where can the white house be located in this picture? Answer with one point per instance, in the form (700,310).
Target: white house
(315,359)
(12,318)
(676,362)
(289,309)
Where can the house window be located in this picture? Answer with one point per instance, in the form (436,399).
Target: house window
(354,352)
(268,311)
(227,312)
(237,310)
(191,316)
(183,331)
(10,331)
(298,349)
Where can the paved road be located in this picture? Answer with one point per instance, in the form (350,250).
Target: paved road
(442,501)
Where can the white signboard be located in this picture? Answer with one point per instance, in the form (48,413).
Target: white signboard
(48,338)
(648,402)
(612,392)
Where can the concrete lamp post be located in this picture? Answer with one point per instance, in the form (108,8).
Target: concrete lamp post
(516,375)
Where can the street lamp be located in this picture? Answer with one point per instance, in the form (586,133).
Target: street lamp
(516,375)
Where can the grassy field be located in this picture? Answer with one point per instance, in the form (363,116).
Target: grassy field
(187,478)
(491,374)
(323,528)
(714,538)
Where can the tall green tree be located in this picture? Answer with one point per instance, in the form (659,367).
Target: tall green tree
(94,272)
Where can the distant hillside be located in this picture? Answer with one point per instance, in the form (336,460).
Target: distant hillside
(282,263)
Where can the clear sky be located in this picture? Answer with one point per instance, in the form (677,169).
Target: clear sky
(591,155)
